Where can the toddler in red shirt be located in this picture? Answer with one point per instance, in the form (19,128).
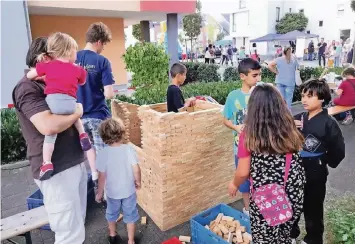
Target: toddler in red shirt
(62,78)
(346,93)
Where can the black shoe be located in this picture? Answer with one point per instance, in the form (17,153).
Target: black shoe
(114,239)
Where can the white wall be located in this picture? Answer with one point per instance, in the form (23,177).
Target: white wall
(14,47)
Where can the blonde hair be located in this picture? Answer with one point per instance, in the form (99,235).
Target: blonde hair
(59,45)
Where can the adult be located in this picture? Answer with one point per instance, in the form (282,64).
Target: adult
(224,55)
(321,51)
(98,86)
(346,49)
(65,193)
(209,55)
(338,54)
(310,50)
(285,67)
(230,54)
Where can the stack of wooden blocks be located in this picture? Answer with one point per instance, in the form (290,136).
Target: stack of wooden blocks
(187,162)
(128,113)
(229,229)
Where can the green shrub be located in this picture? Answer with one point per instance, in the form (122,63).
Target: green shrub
(191,75)
(13,145)
(217,90)
(208,73)
(340,221)
(149,64)
(231,74)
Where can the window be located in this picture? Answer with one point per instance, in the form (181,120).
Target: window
(242,4)
(234,24)
(320,23)
(341,10)
(290,10)
(302,11)
(277,14)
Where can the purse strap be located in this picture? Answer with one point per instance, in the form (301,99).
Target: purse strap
(287,170)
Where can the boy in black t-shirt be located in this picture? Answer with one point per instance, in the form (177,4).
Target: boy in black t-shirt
(175,99)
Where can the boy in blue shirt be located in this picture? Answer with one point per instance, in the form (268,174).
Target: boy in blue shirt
(235,110)
(97,89)
(120,175)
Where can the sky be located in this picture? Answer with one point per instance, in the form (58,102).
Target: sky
(217,6)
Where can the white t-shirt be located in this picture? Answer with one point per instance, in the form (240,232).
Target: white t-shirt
(116,163)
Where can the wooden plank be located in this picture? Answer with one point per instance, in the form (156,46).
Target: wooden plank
(339,109)
(23,222)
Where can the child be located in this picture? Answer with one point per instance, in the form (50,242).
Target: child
(120,174)
(62,77)
(346,91)
(175,99)
(235,110)
(324,145)
(268,153)
(331,56)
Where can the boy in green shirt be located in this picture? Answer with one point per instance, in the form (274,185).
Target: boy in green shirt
(235,110)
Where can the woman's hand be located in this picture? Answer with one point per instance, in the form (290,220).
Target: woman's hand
(232,189)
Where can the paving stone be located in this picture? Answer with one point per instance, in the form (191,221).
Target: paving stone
(14,189)
(14,200)
(13,211)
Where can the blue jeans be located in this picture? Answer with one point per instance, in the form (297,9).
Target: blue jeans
(286,93)
(310,56)
(337,62)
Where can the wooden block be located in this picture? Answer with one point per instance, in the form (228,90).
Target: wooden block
(223,222)
(223,229)
(220,233)
(231,224)
(219,218)
(247,237)
(232,229)
(242,228)
(185,238)
(234,240)
(144,220)
(227,218)
(216,229)
(230,237)
(237,224)
(239,236)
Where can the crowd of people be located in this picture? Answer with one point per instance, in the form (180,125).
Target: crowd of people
(281,161)
(336,52)
(60,103)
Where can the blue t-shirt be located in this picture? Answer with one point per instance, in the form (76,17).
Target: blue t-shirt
(91,95)
(117,164)
(286,71)
(235,110)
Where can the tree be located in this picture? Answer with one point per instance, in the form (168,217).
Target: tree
(137,32)
(291,22)
(220,36)
(352,5)
(192,24)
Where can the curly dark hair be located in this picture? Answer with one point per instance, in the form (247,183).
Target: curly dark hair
(269,126)
(112,131)
(37,47)
(98,32)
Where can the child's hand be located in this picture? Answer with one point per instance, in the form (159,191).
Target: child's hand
(99,197)
(232,189)
(138,185)
(298,123)
(239,128)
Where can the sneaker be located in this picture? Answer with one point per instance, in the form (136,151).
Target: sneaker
(114,239)
(348,120)
(85,142)
(46,170)
(246,212)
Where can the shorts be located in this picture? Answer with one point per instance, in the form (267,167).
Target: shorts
(245,187)
(128,206)
(91,127)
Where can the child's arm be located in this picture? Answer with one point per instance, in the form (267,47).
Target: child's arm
(230,125)
(137,176)
(32,74)
(228,110)
(335,145)
(100,188)
(339,92)
(82,77)
(243,171)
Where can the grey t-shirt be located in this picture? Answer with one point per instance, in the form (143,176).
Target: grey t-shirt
(286,71)
(116,163)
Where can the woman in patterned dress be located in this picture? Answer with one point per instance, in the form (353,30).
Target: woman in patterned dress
(269,134)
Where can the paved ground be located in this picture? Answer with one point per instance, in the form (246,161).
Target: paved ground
(17,185)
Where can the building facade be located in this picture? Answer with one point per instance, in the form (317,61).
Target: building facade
(27,20)
(331,19)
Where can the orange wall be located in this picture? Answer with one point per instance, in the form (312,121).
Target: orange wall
(76,26)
